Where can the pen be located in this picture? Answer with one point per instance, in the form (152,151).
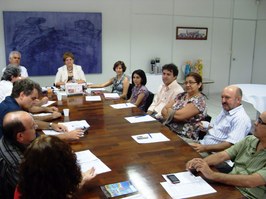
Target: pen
(150,135)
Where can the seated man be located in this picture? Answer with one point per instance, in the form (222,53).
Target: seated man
(23,97)
(249,155)
(14,60)
(18,132)
(230,126)
(167,91)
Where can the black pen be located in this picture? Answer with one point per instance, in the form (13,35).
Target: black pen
(150,135)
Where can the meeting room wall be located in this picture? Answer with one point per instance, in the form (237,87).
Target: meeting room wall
(137,31)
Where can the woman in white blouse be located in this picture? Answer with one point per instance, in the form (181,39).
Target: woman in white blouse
(69,73)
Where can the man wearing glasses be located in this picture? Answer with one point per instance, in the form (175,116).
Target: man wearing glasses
(249,155)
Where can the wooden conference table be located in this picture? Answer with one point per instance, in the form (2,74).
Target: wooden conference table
(109,138)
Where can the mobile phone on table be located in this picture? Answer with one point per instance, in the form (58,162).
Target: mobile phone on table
(173,178)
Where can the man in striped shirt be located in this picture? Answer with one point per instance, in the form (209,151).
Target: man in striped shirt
(249,155)
(230,126)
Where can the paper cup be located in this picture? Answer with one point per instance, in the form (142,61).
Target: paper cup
(205,124)
(66,112)
(59,97)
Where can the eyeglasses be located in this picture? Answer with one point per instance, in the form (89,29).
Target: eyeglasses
(189,82)
(259,120)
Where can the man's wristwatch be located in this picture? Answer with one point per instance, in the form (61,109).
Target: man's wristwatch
(50,126)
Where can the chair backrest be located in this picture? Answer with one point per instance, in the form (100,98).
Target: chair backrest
(148,101)
(129,91)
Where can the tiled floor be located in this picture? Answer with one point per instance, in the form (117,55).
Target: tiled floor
(214,107)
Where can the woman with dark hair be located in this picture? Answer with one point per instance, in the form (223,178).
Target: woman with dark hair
(184,114)
(120,82)
(139,92)
(70,72)
(50,170)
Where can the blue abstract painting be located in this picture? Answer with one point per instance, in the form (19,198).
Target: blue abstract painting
(43,38)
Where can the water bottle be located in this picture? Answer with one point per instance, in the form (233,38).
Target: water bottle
(152,66)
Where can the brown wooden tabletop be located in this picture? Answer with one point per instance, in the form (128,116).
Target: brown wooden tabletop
(109,138)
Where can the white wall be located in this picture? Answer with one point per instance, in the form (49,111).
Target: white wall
(136,31)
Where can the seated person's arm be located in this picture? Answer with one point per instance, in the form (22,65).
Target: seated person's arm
(40,109)
(108,83)
(57,84)
(52,116)
(202,165)
(80,81)
(166,109)
(139,99)
(211,147)
(184,113)
(125,88)
(67,135)
(41,102)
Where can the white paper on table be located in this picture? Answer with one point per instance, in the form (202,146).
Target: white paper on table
(97,89)
(81,124)
(93,98)
(111,96)
(142,118)
(86,159)
(189,186)
(150,138)
(123,105)
(41,114)
(48,103)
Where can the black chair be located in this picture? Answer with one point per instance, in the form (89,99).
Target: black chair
(148,101)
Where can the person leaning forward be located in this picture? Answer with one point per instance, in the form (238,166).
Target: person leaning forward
(23,96)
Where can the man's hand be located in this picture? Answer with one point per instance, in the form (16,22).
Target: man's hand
(74,135)
(198,147)
(51,109)
(56,115)
(59,127)
(202,166)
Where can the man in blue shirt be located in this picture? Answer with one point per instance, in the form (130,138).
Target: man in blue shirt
(24,95)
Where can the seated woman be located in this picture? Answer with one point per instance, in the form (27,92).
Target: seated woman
(120,82)
(184,113)
(70,72)
(50,170)
(139,92)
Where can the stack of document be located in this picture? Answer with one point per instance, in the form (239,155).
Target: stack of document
(111,96)
(189,186)
(141,118)
(94,98)
(86,159)
(73,125)
(123,105)
(150,138)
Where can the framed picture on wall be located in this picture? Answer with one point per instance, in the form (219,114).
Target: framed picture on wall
(191,33)
(43,37)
